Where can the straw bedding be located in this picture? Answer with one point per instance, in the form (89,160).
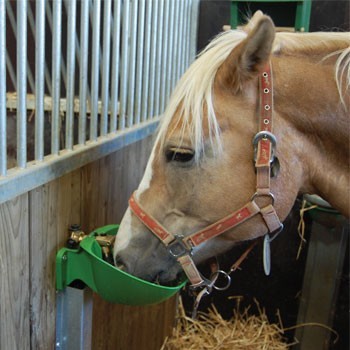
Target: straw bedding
(211,331)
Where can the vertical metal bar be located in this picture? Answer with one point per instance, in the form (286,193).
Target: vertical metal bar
(124,64)
(186,39)
(21,84)
(158,57)
(56,65)
(13,23)
(74,319)
(48,79)
(83,71)
(170,48)
(105,65)
(153,60)
(132,64)
(95,69)
(50,18)
(146,61)
(36,33)
(115,64)
(3,145)
(188,35)
(39,78)
(176,45)
(194,28)
(140,55)
(180,40)
(164,62)
(72,6)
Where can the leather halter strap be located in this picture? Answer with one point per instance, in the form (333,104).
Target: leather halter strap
(264,142)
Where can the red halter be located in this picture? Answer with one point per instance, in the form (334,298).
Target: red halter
(264,143)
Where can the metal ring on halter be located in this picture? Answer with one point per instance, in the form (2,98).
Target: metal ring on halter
(216,274)
(256,195)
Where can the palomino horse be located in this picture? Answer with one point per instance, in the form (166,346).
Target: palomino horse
(201,169)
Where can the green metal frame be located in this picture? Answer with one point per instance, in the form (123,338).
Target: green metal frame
(302,15)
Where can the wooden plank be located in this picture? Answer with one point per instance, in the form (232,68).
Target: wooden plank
(123,327)
(14,275)
(325,261)
(54,207)
(11,104)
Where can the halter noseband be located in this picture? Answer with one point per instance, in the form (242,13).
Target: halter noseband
(264,142)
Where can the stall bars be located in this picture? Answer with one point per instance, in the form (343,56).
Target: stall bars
(122,58)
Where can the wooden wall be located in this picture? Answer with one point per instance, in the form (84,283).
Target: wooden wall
(34,226)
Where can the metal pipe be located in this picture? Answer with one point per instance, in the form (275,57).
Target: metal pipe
(83,69)
(124,65)
(21,84)
(188,35)
(13,23)
(180,40)
(146,61)
(164,59)
(50,20)
(56,75)
(3,144)
(140,55)
(39,79)
(158,66)
(185,38)
(105,65)
(95,69)
(132,64)
(194,29)
(115,65)
(72,6)
(176,46)
(170,49)
(153,60)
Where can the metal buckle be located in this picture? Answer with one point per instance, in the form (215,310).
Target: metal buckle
(267,136)
(178,248)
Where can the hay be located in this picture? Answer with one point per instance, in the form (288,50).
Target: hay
(211,331)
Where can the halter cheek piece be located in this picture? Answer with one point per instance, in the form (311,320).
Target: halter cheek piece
(180,247)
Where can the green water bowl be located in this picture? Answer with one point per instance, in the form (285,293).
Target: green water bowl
(86,264)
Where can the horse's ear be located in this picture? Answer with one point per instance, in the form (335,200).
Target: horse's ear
(249,57)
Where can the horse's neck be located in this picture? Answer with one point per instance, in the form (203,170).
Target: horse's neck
(310,103)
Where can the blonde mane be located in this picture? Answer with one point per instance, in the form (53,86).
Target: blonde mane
(193,93)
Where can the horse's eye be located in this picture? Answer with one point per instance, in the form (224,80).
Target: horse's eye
(182,155)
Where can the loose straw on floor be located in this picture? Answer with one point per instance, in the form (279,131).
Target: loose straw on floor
(242,332)
(211,331)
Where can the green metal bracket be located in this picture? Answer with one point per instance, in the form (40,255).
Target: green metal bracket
(302,15)
(86,264)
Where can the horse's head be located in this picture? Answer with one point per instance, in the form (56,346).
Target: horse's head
(201,167)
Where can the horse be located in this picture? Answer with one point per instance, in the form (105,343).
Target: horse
(204,166)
